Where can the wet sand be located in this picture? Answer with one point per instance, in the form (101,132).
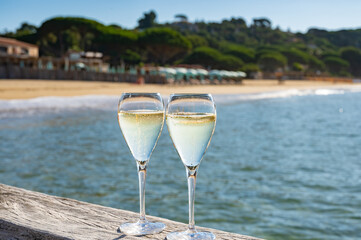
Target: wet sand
(25,89)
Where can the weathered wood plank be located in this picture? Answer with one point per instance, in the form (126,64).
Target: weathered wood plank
(28,215)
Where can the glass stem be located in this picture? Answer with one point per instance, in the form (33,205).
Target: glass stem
(142,173)
(192,176)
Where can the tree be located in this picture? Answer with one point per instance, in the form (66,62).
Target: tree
(181,17)
(340,38)
(197,41)
(262,22)
(115,26)
(336,65)
(235,42)
(295,56)
(131,57)
(114,42)
(250,68)
(147,21)
(353,56)
(26,28)
(58,35)
(272,61)
(60,26)
(314,64)
(239,21)
(205,56)
(261,50)
(329,53)
(229,62)
(26,32)
(164,43)
(209,57)
(246,54)
(297,67)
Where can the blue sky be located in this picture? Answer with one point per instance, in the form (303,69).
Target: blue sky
(288,14)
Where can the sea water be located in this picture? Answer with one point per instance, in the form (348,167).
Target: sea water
(281,165)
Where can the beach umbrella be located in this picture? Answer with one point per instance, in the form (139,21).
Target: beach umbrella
(242,74)
(180,73)
(192,72)
(232,74)
(214,74)
(235,74)
(168,72)
(160,69)
(224,73)
(171,71)
(202,72)
(80,65)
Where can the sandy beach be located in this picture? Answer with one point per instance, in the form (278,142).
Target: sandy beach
(25,89)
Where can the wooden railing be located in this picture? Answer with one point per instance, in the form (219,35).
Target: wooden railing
(31,215)
(16,72)
(331,79)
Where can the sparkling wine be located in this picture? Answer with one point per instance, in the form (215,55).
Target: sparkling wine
(141,130)
(191,134)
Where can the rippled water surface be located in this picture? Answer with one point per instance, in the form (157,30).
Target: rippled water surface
(277,168)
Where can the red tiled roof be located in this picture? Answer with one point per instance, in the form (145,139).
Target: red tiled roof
(14,42)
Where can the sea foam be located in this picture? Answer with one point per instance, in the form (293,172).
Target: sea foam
(234,98)
(21,107)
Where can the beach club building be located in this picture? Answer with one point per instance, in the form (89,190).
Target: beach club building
(13,47)
(17,52)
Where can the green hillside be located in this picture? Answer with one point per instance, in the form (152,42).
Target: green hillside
(231,44)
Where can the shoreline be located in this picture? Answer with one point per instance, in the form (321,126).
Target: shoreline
(27,89)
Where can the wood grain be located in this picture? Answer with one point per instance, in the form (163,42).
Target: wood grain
(26,215)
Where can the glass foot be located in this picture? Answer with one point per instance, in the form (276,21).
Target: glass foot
(191,236)
(141,228)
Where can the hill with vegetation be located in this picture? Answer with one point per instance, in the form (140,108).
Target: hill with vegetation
(230,44)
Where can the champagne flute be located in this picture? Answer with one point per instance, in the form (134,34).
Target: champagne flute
(191,120)
(141,120)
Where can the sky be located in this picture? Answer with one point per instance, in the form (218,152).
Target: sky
(297,16)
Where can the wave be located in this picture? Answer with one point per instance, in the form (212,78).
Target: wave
(21,107)
(234,98)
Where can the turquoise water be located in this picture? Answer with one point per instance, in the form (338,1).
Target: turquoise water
(280,166)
